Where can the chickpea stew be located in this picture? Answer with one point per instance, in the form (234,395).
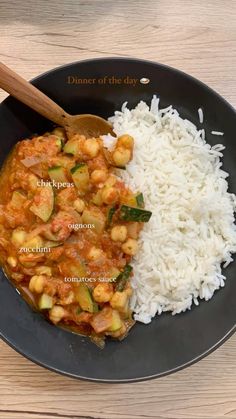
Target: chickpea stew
(69,229)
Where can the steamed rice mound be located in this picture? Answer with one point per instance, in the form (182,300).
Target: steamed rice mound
(191,231)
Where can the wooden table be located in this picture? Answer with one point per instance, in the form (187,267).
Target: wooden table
(198,37)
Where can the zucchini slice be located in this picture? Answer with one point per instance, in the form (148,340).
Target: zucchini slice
(110,214)
(58,174)
(72,147)
(17,200)
(52,244)
(140,200)
(123,278)
(77,269)
(78,311)
(116,322)
(65,161)
(45,302)
(120,167)
(134,214)
(129,200)
(60,143)
(45,203)
(49,235)
(80,176)
(97,198)
(34,243)
(84,298)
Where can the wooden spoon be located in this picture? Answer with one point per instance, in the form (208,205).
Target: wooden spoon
(86,124)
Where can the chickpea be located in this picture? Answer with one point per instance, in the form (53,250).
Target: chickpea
(56,314)
(111,181)
(12,261)
(99,176)
(69,299)
(44,270)
(119,332)
(103,292)
(95,253)
(79,205)
(91,147)
(18,237)
(121,156)
(119,233)
(126,141)
(110,195)
(130,247)
(78,137)
(37,283)
(119,300)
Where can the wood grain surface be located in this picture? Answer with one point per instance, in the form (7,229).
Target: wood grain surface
(198,37)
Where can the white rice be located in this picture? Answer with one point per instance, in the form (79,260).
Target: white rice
(191,231)
(109,141)
(217,133)
(200,115)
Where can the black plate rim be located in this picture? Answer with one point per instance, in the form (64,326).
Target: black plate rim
(122,381)
(131,59)
(213,347)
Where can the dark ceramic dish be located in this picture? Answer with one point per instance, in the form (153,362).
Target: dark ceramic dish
(168,343)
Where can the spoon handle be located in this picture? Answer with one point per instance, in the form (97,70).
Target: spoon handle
(25,92)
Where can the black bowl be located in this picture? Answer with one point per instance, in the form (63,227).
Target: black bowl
(168,343)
